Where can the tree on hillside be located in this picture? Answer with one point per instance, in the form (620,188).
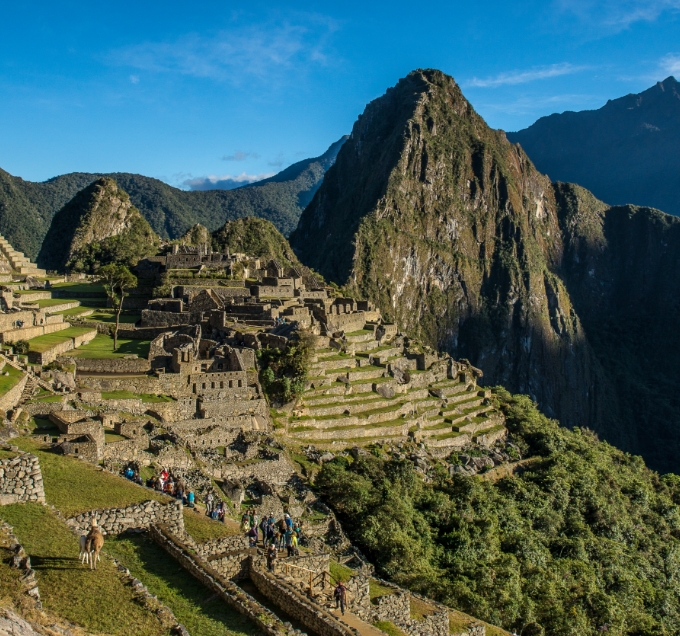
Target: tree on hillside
(118,280)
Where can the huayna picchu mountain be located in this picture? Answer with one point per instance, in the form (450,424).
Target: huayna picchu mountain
(452,232)
(628,151)
(98,226)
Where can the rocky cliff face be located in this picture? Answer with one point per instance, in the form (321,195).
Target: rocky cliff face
(451,230)
(97,226)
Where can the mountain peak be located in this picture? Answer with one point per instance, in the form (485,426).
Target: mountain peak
(83,232)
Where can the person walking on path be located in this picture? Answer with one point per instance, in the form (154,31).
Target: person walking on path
(340,596)
(209,502)
(272,554)
(288,537)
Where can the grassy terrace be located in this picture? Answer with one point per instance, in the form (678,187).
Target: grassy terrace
(101,347)
(99,601)
(51,302)
(74,311)
(73,486)
(46,342)
(9,381)
(129,395)
(193,605)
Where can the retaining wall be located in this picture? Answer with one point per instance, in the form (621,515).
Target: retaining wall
(285,596)
(265,620)
(10,399)
(21,480)
(120,365)
(135,517)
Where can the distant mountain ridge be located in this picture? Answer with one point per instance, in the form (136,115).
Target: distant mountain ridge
(628,151)
(27,208)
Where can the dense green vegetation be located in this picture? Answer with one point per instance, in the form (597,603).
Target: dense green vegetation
(283,373)
(586,539)
(255,237)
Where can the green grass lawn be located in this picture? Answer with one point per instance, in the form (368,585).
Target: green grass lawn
(340,572)
(104,316)
(74,486)
(98,600)
(23,292)
(110,436)
(389,628)
(129,395)
(9,381)
(194,605)
(74,311)
(41,344)
(376,590)
(51,302)
(101,347)
(202,528)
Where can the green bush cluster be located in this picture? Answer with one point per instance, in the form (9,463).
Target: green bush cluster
(585,541)
(283,374)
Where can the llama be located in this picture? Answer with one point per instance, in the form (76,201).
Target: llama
(93,544)
(84,555)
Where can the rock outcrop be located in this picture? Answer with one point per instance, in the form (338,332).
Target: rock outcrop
(97,226)
(453,233)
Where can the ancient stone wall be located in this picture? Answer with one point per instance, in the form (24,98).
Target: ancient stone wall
(114,365)
(313,616)
(265,620)
(135,517)
(21,480)
(233,565)
(11,398)
(216,547)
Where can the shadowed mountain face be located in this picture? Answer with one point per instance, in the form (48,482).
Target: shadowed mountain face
(628,151)
(451,230)
(27,208)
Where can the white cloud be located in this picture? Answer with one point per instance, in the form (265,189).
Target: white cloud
(241,156)
(263,51)
(134,79)
(617,15)
(522,77)
(224,182)
(671,64)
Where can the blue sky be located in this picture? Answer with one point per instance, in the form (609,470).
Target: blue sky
(183,91)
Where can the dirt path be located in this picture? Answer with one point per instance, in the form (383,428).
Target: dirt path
(354,621)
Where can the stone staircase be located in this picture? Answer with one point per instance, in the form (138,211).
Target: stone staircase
(362,390)
(19,262)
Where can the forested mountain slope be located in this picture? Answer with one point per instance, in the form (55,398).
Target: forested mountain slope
(27,208)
